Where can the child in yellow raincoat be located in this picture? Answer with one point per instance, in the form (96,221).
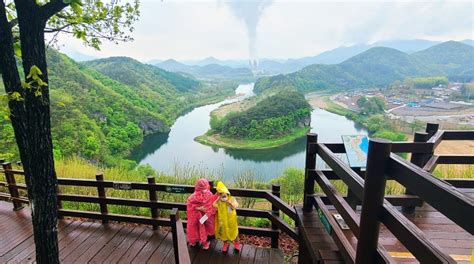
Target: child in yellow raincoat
(226,227)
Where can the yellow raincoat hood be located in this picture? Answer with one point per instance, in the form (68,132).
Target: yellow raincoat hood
(221,188)
(226,226)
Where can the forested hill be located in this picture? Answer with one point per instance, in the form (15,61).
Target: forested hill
(212,70)
(137,74)
(273,117)
(103,117)
(378,67)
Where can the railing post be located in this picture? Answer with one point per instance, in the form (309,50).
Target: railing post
(101,192)
(276,213)
(174,217)
(374,190)
(12,188)
(431,129)
(310,164)
(419,159)
(153,198)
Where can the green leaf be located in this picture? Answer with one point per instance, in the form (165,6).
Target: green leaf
(26,85)
(17,49)
(15,96)
(34,72)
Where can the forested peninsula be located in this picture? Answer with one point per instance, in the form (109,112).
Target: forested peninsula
(276,120)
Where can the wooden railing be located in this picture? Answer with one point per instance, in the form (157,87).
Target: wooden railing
(368,188)
(278,206)
(181,254)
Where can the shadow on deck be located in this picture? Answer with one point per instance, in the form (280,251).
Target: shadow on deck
(93,242)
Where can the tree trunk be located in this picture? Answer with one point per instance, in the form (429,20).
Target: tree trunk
(32,125)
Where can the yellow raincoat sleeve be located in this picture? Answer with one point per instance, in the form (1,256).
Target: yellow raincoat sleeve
(226,221)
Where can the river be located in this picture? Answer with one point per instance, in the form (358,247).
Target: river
(164,151)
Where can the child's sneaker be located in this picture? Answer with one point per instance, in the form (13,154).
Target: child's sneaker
(225,247)
(205,245)
(236,246)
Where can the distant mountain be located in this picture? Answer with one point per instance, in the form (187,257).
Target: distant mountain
(341,54)
(334,56)
(468,42)
(136,74)
(78,56)
(379,67)
(212,70)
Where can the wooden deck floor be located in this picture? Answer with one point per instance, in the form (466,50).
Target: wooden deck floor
(92,242)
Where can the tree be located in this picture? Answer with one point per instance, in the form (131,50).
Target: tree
(23,24)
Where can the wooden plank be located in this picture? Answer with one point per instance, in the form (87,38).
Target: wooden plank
(161,252)
(276,256)
(120,250)
(278,202)
(262,256)
(28,253)
(247,255)
(72,247)
(82,249)
(101,242)
(149,204)
(205,256)
(219,258)
(160,187)
(107,250)
(458,135)
(285,227)
(456,159)
(137,246)
(153,243)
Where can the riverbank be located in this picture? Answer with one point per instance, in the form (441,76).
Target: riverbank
(216,140)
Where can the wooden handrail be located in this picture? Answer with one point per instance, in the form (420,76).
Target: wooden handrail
(181,253)
(444,197)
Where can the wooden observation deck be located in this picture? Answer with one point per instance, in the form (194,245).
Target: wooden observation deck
(433,222)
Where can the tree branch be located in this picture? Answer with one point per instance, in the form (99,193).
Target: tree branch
(53,7)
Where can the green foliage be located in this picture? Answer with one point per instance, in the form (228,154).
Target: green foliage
(291,185)
(373,105)
(272,117)
(379,67)
(93,21)
(427,82)
(390,135)
(467,91)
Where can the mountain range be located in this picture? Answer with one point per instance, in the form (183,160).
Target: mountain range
(378,67)
(277,66)
(211,70)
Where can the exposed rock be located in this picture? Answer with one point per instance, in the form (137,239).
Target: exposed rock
(153,126)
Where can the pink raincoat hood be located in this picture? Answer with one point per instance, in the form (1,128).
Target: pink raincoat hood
(201,185)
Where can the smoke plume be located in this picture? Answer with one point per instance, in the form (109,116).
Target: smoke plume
(250,12)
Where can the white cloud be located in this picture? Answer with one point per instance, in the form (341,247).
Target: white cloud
(192,29)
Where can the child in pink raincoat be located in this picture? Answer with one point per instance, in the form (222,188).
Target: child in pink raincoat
(199,204)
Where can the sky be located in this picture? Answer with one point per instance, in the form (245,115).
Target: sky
(239,29)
